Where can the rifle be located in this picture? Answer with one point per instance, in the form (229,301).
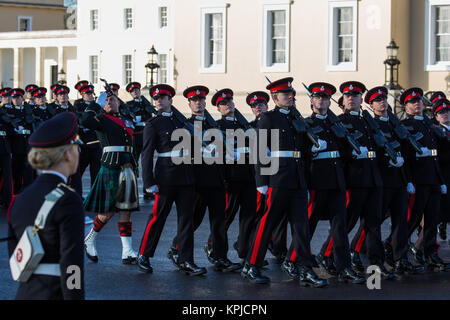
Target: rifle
(241,120)
(339,130)
(180,117)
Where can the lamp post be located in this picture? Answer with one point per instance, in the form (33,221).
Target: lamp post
(391,67)
(62,77)
(151,66)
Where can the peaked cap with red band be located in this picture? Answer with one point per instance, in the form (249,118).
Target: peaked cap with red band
(87,89)
(60,130)
(114,86)
(5,91)
(17,92)
(39,92)
(224,94)
(54,87)
(375,93)
(133,85)
(441,105)
(352,87)
(160,89)
(62,90)
(411,94)
(196,91)
(81,84)
(256,97)
(321,88)
(282,85)
(436,96)
(31,87)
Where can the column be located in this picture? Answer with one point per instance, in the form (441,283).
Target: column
(16,67)
(38,65)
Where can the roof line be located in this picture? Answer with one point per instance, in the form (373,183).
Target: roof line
(33,4)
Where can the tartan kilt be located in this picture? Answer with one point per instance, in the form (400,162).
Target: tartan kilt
(102,197)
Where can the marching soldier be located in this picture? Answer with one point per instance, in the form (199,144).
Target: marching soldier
(286,190)
(29,97)
(115,188)
(21,171)
(5,159)
(327,187)
(139,111)
(42,110)
(5,97)
(170,182)
(363,183)
(209,188)
(54,151)
(62,103)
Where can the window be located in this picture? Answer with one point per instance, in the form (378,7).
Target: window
(162,17)
(214,40)
(342,44)
(163,68)
(127,69)
(128,18)
(275,51)
(25,23)
(437,35)
(94,19)
(93,66)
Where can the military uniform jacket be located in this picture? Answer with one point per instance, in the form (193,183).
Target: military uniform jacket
(19,141)
(43,113)
(87,135)
(424,170)
(138,108)
(5,132)
(111,130)
(157,137)
(291,171)
(243,173)
(206,175)
(325,174)
(62,237)
(59,108)
(444,156)
(361,173)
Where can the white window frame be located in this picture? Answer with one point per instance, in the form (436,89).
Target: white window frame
(91,70)
(268,6)
(333,53)
(160,16)
(90,20)
(166,69)
(124,80)
(125,20)
(218,68)
(430,37)
(24,18)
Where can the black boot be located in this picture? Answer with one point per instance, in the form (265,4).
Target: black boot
(385,274)
(291,269)
(208,250)
(253,274)
(348,275)
(442,230)
(173,256)
(308,278)
(404,266)
(225,265)
(327,263)
(388,253)
(434,261)
(144,264)
(191,269)
(356,262)
(417,254)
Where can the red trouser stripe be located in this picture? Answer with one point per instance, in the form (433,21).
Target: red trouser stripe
(329,248)
(412,199)
(311,202)
(147,230)
(261,230)
(360,241)
(293,255)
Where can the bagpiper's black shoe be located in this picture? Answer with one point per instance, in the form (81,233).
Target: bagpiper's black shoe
(253,274)
(327,263)
(308,278)
(291,269)
(173,256)
(385,274)
(434,261)
(388,253)
(356,262)
(144,264)
(442,230)
(404,266)
(225,265)
(348,275)
(208,250)
(191,269)
(417,254)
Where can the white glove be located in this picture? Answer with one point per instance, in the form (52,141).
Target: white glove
(152,189)
(410,188)
(138,118)
(19,129)
(263,189)
(444,189)
(322,146)
(425,151)
(363,150)
(400,162)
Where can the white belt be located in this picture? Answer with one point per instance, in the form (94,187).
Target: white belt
(24,132)
(139,124)
(368,155)
(118,149)
(430,153)
(2,133)
(172,154)
(48,269)
(243,150)
(327,155)
(286,154)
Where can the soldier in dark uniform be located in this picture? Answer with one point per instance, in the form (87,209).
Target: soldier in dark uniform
(29,97)
(327,187)
(62,103)
(427,178)
(170,182)
(5,97)
(91,151)
(21,171)
(209,186)
(286,189)
(115,188)
(41,109)
(5,159)
(54,152)
(363,182)
(139,111)
(395,195)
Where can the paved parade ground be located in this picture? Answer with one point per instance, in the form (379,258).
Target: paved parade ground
(110,279)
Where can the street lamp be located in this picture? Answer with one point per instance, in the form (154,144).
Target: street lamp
(62,77)
(391,67)
(151,66)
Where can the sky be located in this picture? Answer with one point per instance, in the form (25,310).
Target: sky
(70,2)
